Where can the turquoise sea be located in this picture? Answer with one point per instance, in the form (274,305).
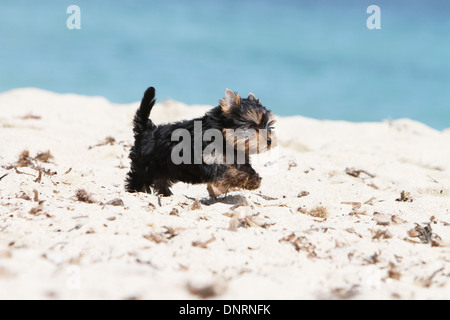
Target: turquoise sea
(313,58)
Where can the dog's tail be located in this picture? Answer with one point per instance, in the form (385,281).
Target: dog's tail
(137,177)
(141,121)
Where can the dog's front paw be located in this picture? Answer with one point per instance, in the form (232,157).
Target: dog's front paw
(253,183)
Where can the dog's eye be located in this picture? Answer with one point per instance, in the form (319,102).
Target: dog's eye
(253,126)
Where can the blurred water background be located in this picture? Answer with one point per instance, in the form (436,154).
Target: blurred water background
(312,58)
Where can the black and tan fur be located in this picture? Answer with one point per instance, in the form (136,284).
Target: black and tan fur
(153,169)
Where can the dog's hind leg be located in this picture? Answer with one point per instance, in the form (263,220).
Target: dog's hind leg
(135,182)
(138,179)
(162,187)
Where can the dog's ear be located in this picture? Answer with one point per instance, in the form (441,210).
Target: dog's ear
(252,97)
(230,101)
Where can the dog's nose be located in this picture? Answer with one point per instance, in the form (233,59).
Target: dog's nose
(269,141)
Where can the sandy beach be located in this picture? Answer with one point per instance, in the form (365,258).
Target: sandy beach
(345,211)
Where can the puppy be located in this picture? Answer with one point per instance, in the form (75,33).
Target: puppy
(214,149)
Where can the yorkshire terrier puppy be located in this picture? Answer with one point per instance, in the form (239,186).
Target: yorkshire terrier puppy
(185,151)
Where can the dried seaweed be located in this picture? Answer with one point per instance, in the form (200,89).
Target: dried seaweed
(30,116)
(370,201)
(266,197)
(203,244)
(108,140)
(172,232)
(425,234)
(23,196)
(196,205)
(405,197)
(428,281)
(291,164)
(381,218)
(303,194)
(351,230)
(393,273)
(44,156)
(317,212)
(397,220)
(355,205)
(24,160)
(47,172)
(206,291)
(245,222)
(155,237)
(345,293)
(38,211)
(36,195)
(163,237)
(381,234)
(300,243)
(75,227)
(250,221)
(38,179)
(115,202)
(20,172)
(146,262)
(84,196)
(373,259)
(356,173)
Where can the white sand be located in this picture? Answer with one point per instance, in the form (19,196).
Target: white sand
(146,250)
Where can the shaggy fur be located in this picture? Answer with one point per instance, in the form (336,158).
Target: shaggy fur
(153,169)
